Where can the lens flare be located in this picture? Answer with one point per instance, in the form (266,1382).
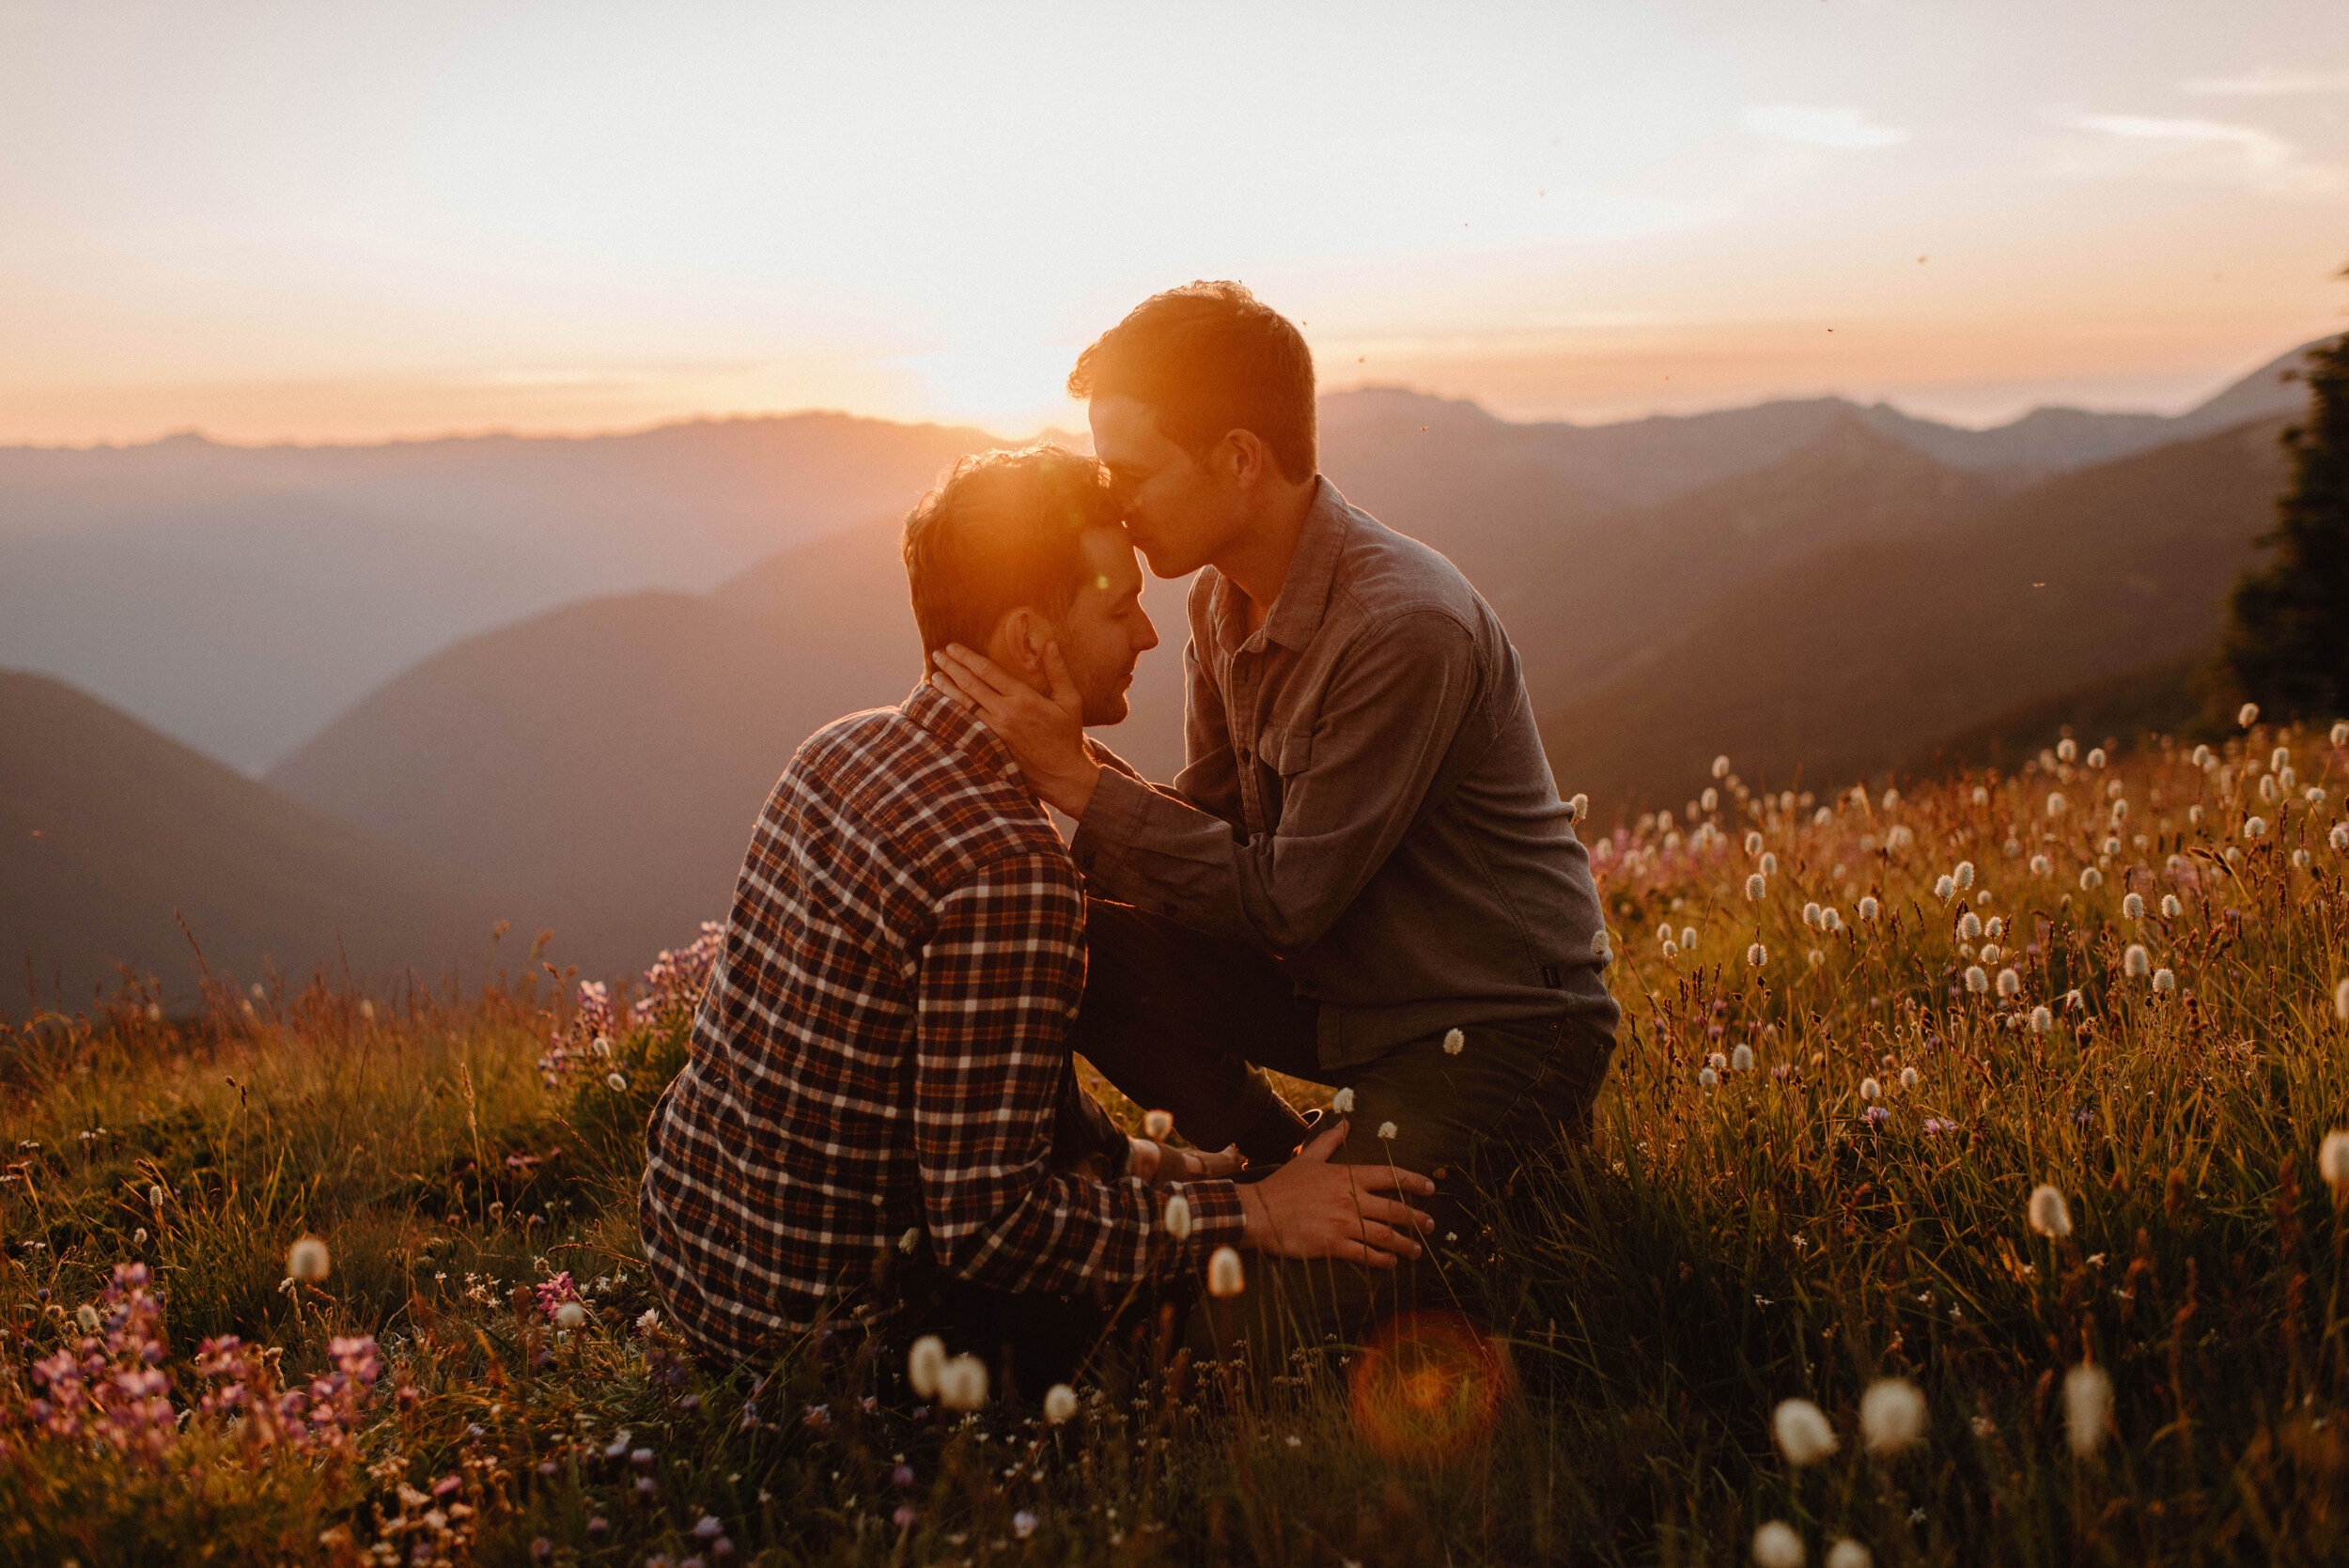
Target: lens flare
(1429,1386)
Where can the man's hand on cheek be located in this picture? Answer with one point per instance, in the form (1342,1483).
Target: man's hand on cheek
(1045,731)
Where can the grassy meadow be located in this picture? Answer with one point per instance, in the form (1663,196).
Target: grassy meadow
(1837,1090)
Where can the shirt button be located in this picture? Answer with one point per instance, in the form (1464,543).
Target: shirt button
(1243,753)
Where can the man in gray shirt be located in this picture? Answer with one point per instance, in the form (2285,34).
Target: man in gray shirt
(1363,874)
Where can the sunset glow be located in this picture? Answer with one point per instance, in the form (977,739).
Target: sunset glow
(272,221)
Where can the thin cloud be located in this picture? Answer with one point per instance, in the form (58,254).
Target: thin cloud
(1820,127)
(2215,147)
(2269,84)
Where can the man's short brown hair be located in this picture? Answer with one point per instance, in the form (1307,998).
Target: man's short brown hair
(1001,532)
(1207,359)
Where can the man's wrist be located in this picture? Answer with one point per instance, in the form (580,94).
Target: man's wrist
(1071,793)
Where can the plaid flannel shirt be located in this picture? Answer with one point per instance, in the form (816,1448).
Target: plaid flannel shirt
(882,1051)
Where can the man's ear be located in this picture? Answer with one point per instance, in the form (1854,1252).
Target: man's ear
(1019,641)
(1244,457)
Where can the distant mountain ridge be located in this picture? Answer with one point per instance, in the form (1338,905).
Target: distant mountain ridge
(239,598)
(112,836)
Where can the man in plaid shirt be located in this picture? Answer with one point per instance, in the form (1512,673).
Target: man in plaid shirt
(879,1092)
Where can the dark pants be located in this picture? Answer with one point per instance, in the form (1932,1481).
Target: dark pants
(1185,1023)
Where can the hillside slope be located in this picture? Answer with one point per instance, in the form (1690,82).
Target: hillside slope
(1857,657)
(106,828)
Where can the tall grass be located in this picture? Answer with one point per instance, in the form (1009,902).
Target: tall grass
(1735,1237)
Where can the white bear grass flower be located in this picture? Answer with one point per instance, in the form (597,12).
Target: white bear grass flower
(1343,1102)
(2136,962)
(1224,1277)
(308,1259)
(962,1384)
(2087,1408)
(1776,1546)
(1891,1416)
(1802,1433)
(1178,1217)
(1059,1405)
(923,1362)
(2050,1216)
(1454,1042)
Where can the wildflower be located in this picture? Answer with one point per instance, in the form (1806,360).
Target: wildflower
(1848,1553)
(2340,734)
(2133,906)
(2136,962)
(1387,1130)
(1944,889)
(2067,748)
(2165,981)
(2170,907)
(1891,799)
(139,1237)
(2010,984)
(648,1321)
(2050,1216)
(910,1240)
(1776,1546)
(1158,1125)
(1755,888)
(2340,1001)
(1225,1280)
(1980,796)
(1802,1432)
(617,1080)
(306,1260)
(1178,1218)
(1757,955)
(1688,936)
(1977,979)
(2194,814)
(570,1314)
(923,1364)
(1869,908)
(2247,715)
(1710,799)
(1870,1090)
(1707,1078)
(1753,842)
(2332,1159)
(1741,1059)
(1963,875)
(2300,859)
(1059,1405)
(1720,766)
(2338,837)
(1814,957)
(1454,1041)
(2042,1020)
(1023,1522)
(1969,926)
(1891,1416)
(2091,878)
(1769,864)
(2042,866)
(962,1384)
(2254,827)
(2087,1408)
(1343,1102)
(155,1196)
(1811,914)
(2055,803)
(1909,1078)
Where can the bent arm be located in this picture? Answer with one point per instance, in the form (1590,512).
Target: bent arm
(1386,724)
(999,981)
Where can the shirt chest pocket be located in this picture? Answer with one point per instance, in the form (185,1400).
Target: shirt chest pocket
(1283,756)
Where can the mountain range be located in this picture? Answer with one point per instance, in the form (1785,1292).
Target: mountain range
(1809,582)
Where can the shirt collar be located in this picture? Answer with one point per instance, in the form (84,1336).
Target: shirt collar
(948,719)
(1305,591)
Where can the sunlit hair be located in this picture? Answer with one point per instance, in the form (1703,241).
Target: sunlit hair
(1000,533)
(1207,359)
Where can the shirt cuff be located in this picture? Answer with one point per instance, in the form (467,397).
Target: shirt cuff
(1216,1218)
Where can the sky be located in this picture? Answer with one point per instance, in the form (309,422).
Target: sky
(354,221)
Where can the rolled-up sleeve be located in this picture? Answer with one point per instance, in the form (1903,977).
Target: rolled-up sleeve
(1392,709)
(1000,979)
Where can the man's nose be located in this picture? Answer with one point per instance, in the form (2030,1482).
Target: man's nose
(1147,634)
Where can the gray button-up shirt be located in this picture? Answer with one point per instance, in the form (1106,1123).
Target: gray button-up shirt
(1366,797)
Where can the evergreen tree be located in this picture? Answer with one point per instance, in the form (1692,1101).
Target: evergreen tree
(2286,643)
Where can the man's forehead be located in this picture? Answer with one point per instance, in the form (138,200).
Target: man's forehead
(1111,556)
